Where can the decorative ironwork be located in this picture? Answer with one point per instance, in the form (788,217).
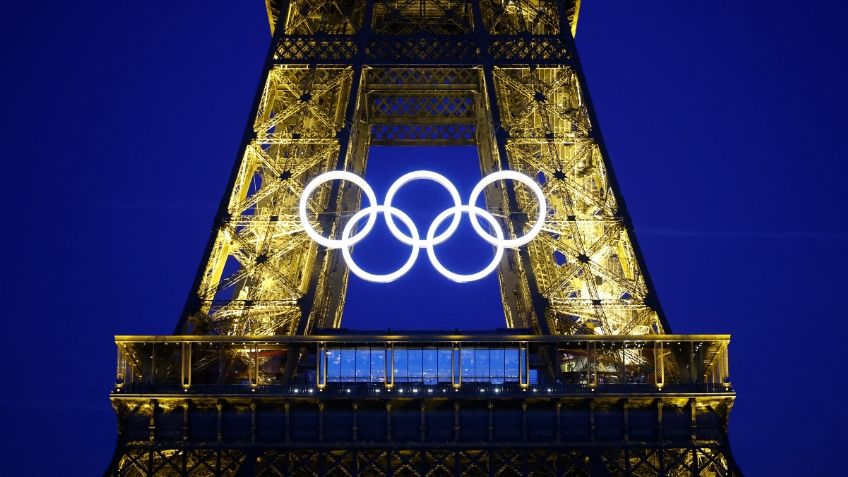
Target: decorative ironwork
(258,382)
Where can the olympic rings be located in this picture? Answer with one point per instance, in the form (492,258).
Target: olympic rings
(414,239)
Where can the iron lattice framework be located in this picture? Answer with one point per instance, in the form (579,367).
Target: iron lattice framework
(501,75)
(589,380)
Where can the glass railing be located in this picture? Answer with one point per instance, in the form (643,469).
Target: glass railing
(425,364)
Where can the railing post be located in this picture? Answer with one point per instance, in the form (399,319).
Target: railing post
(591,365)
(121,369)
(456,366)
(185,369)
(523,366)
(321,362)
(254,379)
(390,365)
(659,364)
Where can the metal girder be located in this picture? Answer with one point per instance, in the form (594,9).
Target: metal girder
(344,74)
(240,390)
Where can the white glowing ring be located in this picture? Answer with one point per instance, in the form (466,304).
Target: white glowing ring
(499,250)
(388,277)
(331,176)
(516,176)
(431,176)
(414,240)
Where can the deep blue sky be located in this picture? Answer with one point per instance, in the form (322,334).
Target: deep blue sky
(725,122)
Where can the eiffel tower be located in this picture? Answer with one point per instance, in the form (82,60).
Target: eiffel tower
(259,378)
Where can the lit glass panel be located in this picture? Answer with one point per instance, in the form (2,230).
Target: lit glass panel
(481,364)
(511,365)
(348,365)
(401,371)
(496,365)
(378,365)
(334,365)
(429,365)
(467,365)
(414,365)
(363,364)
(444,372)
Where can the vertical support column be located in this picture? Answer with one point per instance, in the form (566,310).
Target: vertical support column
(524,420)
(193,302)
(491,420)
(422,427)
(523,365)
(591,420)
(389,424)
(355,429)
(352,143)
(287,409)
(538,303)
(219,423)
(456,366)
(121,367)
(693,418)
(659,364)
(591,365)
(322,361)
(456,429)
(186,410)
(185,368)
(559,422)
(220,363)
(693,373)
(151,427)
(254,373)
(651,298)
(252,421)
(660,433)
(320,421)
(390,365)
(152,373)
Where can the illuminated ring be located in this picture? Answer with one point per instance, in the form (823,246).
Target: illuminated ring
(472,211)
(345,241)
(516,176)
(431,176)
(371,277)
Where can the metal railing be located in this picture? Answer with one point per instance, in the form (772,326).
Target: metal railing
(543,364)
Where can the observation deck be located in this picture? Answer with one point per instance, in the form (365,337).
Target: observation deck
(384,402)
(386,365)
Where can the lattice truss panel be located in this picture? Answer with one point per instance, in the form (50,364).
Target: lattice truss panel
(585,265)
(261,261)
(336,17)
(409,106)
(407,17)
(642,462)
(404,17)
(513,17)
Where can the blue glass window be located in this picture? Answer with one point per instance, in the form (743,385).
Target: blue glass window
(429,365)
(414,365)
(401,372)
(348,365)
(496,365)
(481,364)
(378,365)
(511,365)
(444,373)
(334,362)
(467,365)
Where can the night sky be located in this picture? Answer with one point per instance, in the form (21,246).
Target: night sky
(726,127)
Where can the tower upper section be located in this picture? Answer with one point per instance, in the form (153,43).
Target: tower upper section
(501,16)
